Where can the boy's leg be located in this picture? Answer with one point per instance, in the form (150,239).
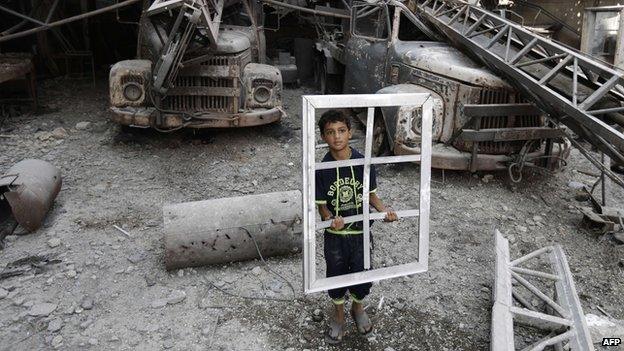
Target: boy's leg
(360,291)
(336,264)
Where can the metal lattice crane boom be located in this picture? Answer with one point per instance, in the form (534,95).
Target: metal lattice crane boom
(575,89)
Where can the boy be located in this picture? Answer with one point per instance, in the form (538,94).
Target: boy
(339,194)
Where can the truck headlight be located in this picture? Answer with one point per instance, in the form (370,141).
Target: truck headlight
(262,94)
(263,86)
(132,91)
(128,83)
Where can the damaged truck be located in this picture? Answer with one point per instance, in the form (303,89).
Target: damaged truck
(200,65)
(480,121)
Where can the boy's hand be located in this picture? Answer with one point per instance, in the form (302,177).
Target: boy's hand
(337,223)
(391,216)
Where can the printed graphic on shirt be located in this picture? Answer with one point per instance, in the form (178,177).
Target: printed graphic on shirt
(347,187)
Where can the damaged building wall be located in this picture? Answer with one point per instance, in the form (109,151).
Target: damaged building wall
(570,13)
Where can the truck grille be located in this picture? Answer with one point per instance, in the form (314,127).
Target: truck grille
(487,96)
(209,86)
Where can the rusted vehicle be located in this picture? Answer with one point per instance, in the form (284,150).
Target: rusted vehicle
(197,74)
(480,121)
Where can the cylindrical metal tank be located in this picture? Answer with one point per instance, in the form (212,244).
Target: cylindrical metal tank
(223,230)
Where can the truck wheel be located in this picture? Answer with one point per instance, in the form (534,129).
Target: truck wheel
(381,145)
(327,83)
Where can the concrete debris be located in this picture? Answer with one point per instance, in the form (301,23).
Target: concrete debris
(256,270)
(83,125)
(87,303)
(42,309)
(59,133)
(54,242)
(71,273)
(600,328)
(576,185)
(55,325)
(159,303)
(57,341)
(176,296)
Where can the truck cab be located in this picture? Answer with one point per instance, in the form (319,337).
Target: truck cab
(216,86)
(480,121)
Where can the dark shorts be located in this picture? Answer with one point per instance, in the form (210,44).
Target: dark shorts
(345,254)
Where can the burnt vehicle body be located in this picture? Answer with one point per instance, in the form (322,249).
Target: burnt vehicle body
(480,121)
(213,85)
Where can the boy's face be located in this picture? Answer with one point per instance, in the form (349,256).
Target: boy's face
(336,135)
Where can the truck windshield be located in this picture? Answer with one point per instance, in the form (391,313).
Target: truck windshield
(409,31)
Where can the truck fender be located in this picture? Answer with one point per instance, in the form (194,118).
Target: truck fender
(398,129)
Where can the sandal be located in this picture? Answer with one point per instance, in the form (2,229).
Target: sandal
(362,322)
(335,333)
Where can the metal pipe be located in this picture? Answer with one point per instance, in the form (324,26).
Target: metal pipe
(52,9)
(606,110)
(535,273)
(555,306)
(15,13)
(305,9)
(530,255)
(46,26)
(545,59)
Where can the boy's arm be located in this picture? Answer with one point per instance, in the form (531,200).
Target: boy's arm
(337,223)
(376,202)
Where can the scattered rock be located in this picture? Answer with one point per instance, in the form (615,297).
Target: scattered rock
(206,331)
(181,273)
(176,296)
(576,185)
(388,349)
(87,303)
(83,125)
(581,196)
(150,280)
(538,219)
(159,303)
(136,257)
(317,316)
(3,293)
(57,341)
(54,242)
(86,324)
(71,274)
(93,341)
(59,133)
(42,309)
(55,325)
(505,208)
(619,237)
(521,228)
(487,178)
(256,270)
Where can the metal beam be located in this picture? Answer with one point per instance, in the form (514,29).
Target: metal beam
(46,26)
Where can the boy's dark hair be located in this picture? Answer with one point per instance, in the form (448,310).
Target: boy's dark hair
(333,116)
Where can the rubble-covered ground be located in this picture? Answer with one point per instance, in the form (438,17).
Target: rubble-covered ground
(101,289)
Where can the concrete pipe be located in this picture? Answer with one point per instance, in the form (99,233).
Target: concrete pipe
(30,187)
(226,230)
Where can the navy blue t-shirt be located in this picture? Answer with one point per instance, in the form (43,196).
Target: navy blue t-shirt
(341,190)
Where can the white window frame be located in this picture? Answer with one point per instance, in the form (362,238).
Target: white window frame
(309,105)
